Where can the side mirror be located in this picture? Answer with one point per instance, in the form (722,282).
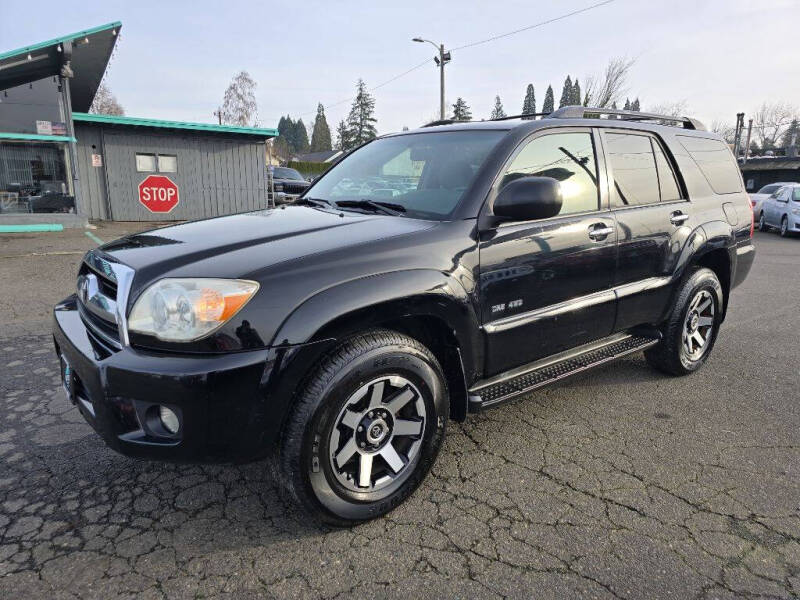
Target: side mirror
(528,199)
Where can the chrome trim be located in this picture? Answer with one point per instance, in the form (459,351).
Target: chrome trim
(579,303)
(550,311)
(112,310)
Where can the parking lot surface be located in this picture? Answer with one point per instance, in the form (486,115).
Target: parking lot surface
(618,483)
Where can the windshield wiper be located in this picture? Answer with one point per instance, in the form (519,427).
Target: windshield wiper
(318,202)
(387,208)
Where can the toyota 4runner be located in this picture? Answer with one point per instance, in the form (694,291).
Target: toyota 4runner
(428,274)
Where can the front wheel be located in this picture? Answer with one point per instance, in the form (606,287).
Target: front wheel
(366,428)
(691,329)
(784,226)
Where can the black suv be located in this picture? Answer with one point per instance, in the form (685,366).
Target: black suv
(287,184)
(429,274)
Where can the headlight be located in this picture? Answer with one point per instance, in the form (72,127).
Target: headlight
(182,310)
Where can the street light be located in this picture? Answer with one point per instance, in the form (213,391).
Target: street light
(441,61)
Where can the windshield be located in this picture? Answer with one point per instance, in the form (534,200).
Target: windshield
(285,173)
(421,175)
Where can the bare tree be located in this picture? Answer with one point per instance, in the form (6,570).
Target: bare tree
(602,92)
(771,121)
(106,103)
(671,109)
(239,104)
(726,130)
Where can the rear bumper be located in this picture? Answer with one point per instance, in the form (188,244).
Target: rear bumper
(745,255)
(221,399)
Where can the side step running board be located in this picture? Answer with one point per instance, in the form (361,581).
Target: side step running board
(543,372)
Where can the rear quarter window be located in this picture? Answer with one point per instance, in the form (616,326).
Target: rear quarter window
(715,162)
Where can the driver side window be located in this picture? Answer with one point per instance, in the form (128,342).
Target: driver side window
(567,157)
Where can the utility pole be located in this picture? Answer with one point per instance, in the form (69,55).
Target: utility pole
(441,61)
(749,133)
(218,114)
(737,143)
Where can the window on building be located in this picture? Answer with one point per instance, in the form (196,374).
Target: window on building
(167,163)
(145,163)
(34,177)
(634,166)
(567,157)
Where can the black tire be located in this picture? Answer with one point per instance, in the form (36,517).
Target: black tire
(308,472)
(785,226)
(671,355)
(762,224)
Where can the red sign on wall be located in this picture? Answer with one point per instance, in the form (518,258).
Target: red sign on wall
(158,194)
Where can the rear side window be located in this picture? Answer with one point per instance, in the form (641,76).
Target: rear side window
(716,163)
(667,182)
(796,194)
(633,164)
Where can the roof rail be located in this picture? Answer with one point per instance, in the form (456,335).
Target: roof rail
(588,112)
(443,122)
(522,116)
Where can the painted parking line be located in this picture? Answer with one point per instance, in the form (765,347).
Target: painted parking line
(94,238)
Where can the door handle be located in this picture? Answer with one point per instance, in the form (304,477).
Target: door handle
(678,218)
(600,231)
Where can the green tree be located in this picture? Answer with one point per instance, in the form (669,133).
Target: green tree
(529,105)
(497,111)
(343,141)
(549,100)
(286,133)
(321,134)
(627,104)
(576,93)
(461,110)
(566,93)
(635,105)
(300,137)
(361,120)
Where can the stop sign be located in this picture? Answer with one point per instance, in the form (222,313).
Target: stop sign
(158,193)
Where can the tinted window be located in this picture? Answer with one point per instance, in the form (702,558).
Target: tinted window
(716,162)
(634,167)
(424,173)
(286,173)
(667,182)
(567,157)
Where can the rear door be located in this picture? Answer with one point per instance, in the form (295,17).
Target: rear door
(653,221)
(545,285)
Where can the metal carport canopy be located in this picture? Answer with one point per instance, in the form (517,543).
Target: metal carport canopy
(91,51)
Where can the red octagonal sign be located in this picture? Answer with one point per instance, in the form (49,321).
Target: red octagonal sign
(158,193)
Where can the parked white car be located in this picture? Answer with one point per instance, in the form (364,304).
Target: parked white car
(764,193)
(781,210)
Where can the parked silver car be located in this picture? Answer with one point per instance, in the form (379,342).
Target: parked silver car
(757,198)
(781,210)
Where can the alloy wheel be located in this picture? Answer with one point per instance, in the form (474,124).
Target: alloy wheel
(784,226)
(699,325)
(377,434)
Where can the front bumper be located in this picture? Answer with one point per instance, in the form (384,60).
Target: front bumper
(221,400)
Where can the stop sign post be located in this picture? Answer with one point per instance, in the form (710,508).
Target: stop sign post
(158,194)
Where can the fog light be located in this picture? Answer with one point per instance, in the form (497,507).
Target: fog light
(169,419)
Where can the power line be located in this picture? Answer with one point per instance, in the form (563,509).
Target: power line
(470,45)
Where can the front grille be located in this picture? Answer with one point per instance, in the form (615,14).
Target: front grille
(103,325)
(294,188)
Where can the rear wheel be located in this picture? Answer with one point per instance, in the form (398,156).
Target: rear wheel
(762,224)
(366,428)
(691,330)
(784,226)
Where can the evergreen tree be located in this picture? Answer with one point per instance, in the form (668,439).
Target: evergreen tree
(300,137)
(321,134)
(635,105)
(548,105)
(361,120)
(497,111)
(461,111)
(286,133)
(529,106)
(343,136)
(566,93)
(794,130)
(576,93)
(627,104)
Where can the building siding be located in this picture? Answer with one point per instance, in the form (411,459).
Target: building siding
(217,174)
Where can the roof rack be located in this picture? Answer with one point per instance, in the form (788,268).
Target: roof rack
(522,116)
(587,112)
(443,122)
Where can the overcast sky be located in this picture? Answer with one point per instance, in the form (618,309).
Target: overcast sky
(175,59)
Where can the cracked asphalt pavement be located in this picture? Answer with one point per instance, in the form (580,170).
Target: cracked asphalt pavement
(618,483)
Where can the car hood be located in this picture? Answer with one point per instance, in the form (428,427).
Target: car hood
(243,244)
